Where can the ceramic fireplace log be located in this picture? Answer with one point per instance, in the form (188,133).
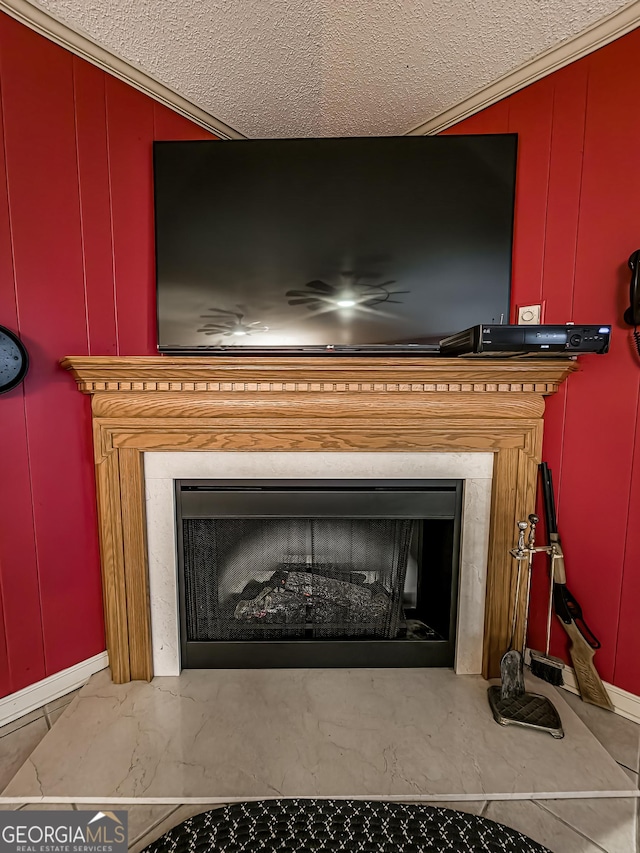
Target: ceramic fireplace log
(296,597)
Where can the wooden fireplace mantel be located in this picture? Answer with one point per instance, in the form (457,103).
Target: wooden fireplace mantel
(313,403)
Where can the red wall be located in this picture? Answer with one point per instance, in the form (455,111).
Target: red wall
(76,276)
(577,222)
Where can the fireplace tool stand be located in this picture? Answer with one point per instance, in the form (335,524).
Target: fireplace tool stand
(511,704)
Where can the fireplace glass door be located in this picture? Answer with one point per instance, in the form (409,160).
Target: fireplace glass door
(335,573)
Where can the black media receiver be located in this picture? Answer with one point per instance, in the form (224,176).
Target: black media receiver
(527,340)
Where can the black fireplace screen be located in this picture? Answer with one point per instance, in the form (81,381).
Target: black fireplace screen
(287,578)
(292,573)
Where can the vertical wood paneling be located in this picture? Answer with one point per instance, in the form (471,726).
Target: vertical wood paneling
(79,180)
(563,204)
(594,501)
(5,671)
(7,437)
(563,199)
(95,207)
(130,137)
(80,184)
(602,403)
(577,215)
(38,101)
(530,114)
(22,618)
(627,671)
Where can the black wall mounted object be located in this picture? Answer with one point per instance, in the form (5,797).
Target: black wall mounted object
(632,314)
(14,360)
(319,246)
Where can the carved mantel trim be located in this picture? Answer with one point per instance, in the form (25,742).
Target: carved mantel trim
(324,403)
(320,375)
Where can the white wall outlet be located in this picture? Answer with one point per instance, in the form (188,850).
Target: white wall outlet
(529,315)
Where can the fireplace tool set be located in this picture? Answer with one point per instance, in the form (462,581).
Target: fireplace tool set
(510,701)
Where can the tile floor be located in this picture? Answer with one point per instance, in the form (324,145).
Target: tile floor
(19,738)
(563,825)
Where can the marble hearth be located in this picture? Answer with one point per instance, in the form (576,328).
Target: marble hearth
(158,419)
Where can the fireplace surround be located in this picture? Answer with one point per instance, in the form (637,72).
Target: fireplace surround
(331,405)
(164,471)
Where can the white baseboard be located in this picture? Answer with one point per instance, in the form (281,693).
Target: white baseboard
(625,704)
(36,695)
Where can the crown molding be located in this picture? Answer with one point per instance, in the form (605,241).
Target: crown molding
(603,32)
(598,35)
(86,48)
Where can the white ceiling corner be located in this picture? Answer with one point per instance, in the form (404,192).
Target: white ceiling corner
(283,68)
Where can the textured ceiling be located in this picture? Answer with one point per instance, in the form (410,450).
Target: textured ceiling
(273,68)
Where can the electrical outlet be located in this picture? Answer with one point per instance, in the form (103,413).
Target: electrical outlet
(529,315)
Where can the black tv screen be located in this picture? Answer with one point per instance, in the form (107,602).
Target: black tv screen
(321,245)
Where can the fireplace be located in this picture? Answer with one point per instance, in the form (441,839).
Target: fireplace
(228,407)
(443,498)
(282,573)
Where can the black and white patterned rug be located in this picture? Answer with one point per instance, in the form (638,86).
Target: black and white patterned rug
(298,826)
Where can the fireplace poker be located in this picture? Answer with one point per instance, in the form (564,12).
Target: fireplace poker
(512,663)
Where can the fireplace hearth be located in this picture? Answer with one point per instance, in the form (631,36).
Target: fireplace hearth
(325,573)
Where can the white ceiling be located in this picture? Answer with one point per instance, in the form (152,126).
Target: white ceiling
(275,68)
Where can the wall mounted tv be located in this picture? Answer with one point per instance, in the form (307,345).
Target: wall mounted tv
(331,245)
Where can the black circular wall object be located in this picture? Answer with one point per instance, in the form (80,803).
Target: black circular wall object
(14,360)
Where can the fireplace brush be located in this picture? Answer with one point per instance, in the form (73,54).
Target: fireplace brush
(543,665)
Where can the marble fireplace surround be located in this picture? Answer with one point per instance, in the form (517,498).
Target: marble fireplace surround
(297,407)
(162,469)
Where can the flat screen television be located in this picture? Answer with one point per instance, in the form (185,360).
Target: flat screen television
(331,245)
